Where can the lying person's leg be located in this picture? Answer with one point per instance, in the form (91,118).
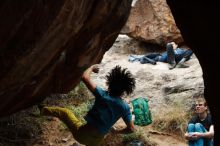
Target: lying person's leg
(152,55)
(147,60)
(170,54)
(183,57)
(181,63)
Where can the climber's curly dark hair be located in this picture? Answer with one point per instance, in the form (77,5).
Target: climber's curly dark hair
(119,81)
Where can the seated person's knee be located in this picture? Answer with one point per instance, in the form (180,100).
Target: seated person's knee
(198,126)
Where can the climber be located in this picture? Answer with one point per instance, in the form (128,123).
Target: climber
(107,109)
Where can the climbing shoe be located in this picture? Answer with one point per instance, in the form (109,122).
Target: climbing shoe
(40,106)
(172,66)
(181,65)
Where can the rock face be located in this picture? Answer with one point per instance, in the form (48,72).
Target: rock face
(151,21)
(46,45)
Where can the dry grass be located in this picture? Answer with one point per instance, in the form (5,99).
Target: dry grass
(173,121)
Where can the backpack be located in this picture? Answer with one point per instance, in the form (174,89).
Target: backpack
(141,111)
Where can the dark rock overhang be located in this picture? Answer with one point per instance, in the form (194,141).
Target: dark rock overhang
(46,45)
(199,26)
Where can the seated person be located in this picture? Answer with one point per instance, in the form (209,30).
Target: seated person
(107,109)
(173,55)
(200,130)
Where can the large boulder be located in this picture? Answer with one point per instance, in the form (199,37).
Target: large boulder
(46,45)
(152,22)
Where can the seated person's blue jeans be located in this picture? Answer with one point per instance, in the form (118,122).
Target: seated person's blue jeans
(201,141)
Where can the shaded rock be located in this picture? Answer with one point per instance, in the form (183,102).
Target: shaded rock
(200,30)
(46,45)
